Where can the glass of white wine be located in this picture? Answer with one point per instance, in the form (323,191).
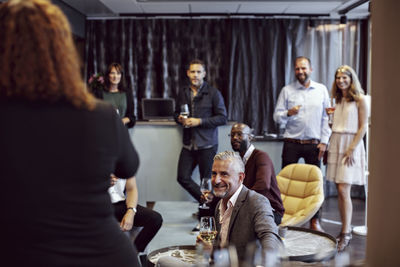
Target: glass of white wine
(208,230)
(205,188)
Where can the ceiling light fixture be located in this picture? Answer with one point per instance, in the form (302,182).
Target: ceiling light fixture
(343,19)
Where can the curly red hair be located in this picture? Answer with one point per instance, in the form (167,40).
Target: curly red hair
(38,59)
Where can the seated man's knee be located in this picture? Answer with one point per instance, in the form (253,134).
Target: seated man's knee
(153,220)
(157,219)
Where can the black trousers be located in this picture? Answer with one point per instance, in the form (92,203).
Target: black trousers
(149,219)
(292,152)
(188,160)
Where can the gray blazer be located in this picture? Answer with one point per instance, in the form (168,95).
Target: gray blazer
(252,219)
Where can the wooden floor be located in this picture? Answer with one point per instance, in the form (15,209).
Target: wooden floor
(178,222)
(354,255)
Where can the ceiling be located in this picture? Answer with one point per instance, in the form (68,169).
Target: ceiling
(283,8)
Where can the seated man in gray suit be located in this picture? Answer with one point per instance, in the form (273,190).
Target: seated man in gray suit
(242,215)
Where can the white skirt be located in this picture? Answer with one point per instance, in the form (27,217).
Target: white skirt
(338,172)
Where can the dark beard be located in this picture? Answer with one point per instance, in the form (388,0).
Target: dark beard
(306,78)
(242,147)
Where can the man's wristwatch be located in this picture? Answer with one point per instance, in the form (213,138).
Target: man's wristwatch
(132,208)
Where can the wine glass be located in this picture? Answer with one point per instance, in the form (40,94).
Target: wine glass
(185,111)
(330,111)
(208,230)
(205,188)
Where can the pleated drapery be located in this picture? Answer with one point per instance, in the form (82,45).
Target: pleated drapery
(248,60)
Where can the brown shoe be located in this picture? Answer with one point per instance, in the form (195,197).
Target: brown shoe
(343,241)
(315,225)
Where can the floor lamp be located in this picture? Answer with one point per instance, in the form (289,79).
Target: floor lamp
(362,230)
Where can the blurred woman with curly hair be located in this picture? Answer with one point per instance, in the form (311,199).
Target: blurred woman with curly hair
(58,148)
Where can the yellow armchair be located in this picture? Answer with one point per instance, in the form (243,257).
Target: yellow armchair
(302,193)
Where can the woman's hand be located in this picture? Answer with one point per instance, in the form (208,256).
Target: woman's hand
(127,221)
(125,120)
(348,158)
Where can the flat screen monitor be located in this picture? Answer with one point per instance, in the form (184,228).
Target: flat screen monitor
(158,109)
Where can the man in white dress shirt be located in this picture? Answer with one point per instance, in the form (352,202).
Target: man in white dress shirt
(301,110)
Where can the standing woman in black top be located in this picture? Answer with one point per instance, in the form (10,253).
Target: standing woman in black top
(122,100)
(58,147)
(116,93)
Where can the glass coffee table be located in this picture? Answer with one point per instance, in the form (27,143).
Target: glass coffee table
(186,253)
(301,244)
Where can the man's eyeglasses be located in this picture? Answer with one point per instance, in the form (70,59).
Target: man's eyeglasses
(240,135)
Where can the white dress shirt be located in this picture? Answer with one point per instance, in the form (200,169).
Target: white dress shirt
(117,191)
(248,153)
(312,121)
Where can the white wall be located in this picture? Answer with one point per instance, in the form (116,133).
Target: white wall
(159,147)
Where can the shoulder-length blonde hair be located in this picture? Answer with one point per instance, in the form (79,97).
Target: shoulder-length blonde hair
(355,89)
(38,59)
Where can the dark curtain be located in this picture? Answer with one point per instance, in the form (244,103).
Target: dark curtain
(258,62)
(248,60)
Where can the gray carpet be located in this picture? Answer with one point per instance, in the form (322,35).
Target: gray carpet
(177,226)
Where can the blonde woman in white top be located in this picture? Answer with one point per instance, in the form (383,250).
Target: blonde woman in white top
(346,156)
